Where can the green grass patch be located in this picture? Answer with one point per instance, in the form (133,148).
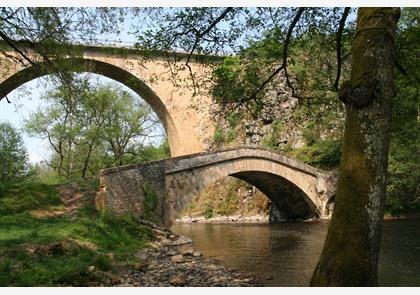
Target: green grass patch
(94,235)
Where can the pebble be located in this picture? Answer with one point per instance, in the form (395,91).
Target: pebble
(178,281)
(142,265)
(177,259)
(188,252)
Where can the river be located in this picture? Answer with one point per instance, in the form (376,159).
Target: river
(286,254)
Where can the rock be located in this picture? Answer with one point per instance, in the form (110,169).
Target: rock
(158,232)
(91,268)
(197,254)
(178,281)
(188,252)
(57,248)
(171,252)
(86,244)
(177,259)
(181,241)
(164,242)
(114,279)
(154,246)
(268,278)
(141,265)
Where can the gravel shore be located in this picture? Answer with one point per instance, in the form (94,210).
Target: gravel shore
(173,262)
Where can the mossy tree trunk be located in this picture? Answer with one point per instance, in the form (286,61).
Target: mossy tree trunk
(351,250)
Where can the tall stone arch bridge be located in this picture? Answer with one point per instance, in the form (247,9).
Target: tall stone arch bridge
(163,188)
(184,112)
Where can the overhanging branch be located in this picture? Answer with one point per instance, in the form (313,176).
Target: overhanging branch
(339,45)
(283,65)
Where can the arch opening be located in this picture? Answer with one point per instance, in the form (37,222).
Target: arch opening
(289,202)
(113,72)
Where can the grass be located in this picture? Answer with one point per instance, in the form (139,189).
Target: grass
(93,238)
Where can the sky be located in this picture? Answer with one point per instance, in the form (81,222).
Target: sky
(27,99)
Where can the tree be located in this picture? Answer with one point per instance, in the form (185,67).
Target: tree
(13,156)
(91,128)
(351,251)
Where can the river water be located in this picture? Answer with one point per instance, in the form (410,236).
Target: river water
(286,254)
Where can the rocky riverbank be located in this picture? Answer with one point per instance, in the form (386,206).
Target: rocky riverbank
(224,219)
(172,261)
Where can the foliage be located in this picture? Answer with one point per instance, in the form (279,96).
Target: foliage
(403,190)
(150,152)
(324,154)
(208,211)
(90,129)
(41,172)
(272,140)
(13,155)
(96,236)
(218,135)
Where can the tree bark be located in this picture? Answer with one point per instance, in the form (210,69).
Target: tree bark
(351,250)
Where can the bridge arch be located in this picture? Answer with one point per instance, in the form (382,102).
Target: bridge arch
(291,190)
(111,71)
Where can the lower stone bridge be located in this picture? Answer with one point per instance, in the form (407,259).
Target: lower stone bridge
(161,189)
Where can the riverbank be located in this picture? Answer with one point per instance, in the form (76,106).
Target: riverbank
(224,219)
(172,262)
(53,236)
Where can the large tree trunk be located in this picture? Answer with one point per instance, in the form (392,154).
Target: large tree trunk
(351,250)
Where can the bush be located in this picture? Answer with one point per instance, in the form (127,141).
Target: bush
(218,135)
(325,154)
(208,211)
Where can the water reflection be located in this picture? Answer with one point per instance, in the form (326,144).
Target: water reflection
(286,254)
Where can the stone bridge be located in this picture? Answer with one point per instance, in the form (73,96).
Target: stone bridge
(161,189)
(160,78)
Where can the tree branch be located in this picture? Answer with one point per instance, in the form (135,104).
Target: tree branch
(10,42)
(283,65)
(338,47)
(197,39)
(209,28)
